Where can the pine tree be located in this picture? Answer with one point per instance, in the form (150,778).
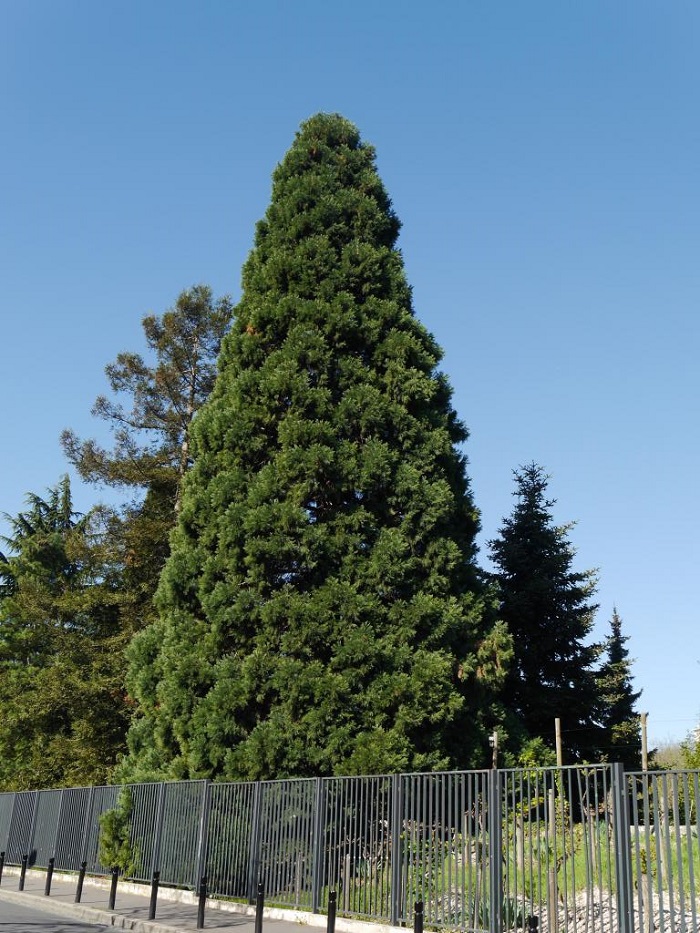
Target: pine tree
(622,739)
(152,437)
(61,643)
(151,452)
(321,610)
(545,604)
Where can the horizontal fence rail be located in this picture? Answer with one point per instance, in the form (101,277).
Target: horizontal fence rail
(582,849)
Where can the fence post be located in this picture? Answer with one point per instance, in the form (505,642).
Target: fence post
(623,858)
(58,826)
(86,830)
(201,867)
(2,864)
(12,836)
(395,850)
(22,873)
(318,847)
(494,822)
(254,850)
(32,826)
(158,829)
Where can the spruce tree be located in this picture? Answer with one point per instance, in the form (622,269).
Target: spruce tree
(321,610)
(622,739)
(546,606)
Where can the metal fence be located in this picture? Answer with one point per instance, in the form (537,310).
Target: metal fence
(583,849)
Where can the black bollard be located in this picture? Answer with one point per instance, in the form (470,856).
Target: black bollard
(259,905)
(2,864)
(332,908)
(23,872)
(532,924)
(154,895)
(418,917)
(49,876)
(202,903)
(81,878)
(113,888)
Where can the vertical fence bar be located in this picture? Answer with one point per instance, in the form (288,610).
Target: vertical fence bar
(32,825)
(396,848)
(495,844)
(58,827)
(691,794)
(623,861)
(203,832)
(317,844)
(7,805)
(254,848)
(86,829)
(158,829)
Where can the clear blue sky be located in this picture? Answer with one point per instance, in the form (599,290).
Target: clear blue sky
(544,159)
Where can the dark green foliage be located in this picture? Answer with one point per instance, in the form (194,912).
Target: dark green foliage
(61,643)
(321,610)
(622,740)
(546,607)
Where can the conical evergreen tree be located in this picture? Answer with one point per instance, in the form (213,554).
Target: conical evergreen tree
(622,738)
(321,610)
(545,604)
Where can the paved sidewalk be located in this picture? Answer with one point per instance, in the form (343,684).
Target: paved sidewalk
(131,909)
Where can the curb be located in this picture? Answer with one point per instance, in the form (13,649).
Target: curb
(301,918)
(89,914)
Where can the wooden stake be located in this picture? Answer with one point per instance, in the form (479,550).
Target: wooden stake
(557,738)
(645,752)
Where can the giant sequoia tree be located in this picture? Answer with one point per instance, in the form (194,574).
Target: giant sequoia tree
(321,610)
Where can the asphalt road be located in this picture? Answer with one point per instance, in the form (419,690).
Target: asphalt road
(15,918)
